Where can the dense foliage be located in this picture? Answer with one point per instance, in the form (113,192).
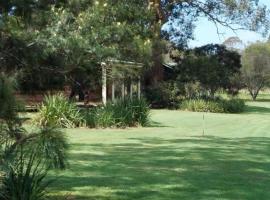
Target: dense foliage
(67,40)
(213,66)
(25,157)
(256,67)
(163,95)
(58,111)
(122,113)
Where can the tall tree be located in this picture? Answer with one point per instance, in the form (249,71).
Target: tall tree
(212,66)
(36,24)
(256,67)
(178,18)
(70,38)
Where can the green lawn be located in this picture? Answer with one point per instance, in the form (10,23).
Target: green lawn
(173,160)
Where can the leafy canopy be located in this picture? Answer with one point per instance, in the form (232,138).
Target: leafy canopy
(210,65)
(256,67)
(67,39)
(180,16)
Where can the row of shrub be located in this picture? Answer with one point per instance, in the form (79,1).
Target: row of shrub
(60,112)
(213,105)
(170,94)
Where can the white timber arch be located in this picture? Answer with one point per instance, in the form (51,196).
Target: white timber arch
(120,74)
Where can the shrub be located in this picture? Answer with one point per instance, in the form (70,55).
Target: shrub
(193,90)
(213,105)
(234,106)
(201,105)
(122,113)
(163,95)
(58,111)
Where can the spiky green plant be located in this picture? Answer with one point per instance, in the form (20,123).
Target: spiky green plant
(25,177)
(122,113)
(57,110)
(25,157)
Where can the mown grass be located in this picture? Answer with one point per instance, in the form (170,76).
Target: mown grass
(224,156)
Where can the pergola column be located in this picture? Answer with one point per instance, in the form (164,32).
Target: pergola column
(104,83)
(123,90)
(113,91)
(131,90)
(139,88)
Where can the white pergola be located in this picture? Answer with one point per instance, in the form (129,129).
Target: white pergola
(112,64)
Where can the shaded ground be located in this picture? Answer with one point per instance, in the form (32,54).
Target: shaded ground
(173,160)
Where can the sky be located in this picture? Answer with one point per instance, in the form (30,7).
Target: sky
(206,33)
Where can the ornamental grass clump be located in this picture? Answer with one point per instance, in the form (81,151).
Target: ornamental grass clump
(58,111)
(123,113)
(25,178)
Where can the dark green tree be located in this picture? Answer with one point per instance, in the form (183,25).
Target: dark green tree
(70,39)
(62,38)
(213,66)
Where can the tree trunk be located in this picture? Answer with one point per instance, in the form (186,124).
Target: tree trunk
(253,94)
(156,73)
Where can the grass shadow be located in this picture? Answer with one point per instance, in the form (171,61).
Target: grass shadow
(154,168)
(154,124)
(261,100)
(257,109)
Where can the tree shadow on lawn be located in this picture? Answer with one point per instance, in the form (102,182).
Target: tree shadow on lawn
(256,109)
(154,124)
(191,168)
(261,100)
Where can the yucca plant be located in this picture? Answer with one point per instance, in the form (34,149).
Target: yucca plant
(57,110)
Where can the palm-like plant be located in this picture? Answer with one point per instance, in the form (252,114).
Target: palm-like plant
(25,157)
(25,177)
